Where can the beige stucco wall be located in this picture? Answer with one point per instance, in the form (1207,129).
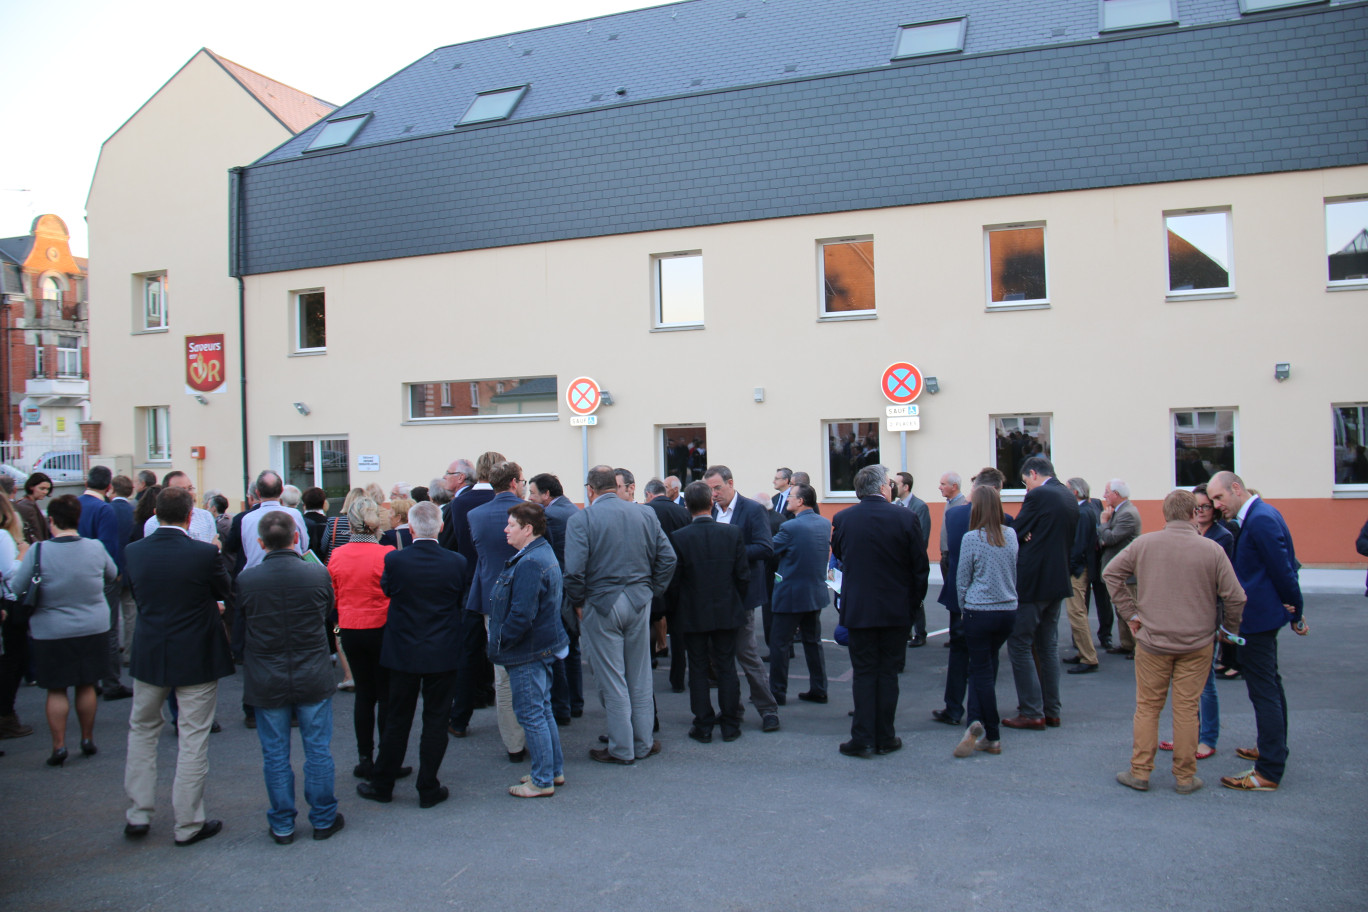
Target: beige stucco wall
(1109,359)
(159,201)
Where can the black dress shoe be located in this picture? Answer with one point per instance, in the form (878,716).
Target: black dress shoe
(731,736)
(1082,668)
(943,715)
(326,833)
(918,641)
(215,728)
(287,839)
(576,713)
(58,757)
(781,699)
(1072,660)
(890,747)
(1117,651)
(678,690)
(249,721)
(364,770)
(88,747)
(517,756)
(808,696)
(434,798)
(210,829)
(372,792)
(117,693)
(769,722)
(701,735)
(1104,642)
(457,732)
(562,721)
(136,830)
(851,749)
(603,739)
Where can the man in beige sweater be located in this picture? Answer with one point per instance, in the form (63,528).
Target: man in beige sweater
(1179,577)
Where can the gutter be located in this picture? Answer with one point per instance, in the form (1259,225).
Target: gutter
(235,185)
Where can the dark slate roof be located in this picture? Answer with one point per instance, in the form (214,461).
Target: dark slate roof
(697,45)
(1245,96)
(16,249)
(11,278)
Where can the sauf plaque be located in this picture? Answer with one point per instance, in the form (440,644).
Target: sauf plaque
(205,364)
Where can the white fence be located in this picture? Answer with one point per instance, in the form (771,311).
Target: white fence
(68,453)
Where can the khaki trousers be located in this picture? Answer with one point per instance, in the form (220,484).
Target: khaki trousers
(514,738)
(1123,631)
(1154,673)
(1078,621)
(197,706)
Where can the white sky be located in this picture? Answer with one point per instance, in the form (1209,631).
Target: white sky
(74,71)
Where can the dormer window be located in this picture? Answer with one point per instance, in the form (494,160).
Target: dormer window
(944,36)
(496,105)
(1129,14)
(339,132)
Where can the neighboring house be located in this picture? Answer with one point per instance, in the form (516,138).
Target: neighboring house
(158,218)
(44,382)
(1098,225)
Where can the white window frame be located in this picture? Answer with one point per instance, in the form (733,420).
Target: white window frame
(297,320)
(1340,284)
(843,496)
(446,394)
(67,354)
(1104,5)
(1228,291)
(1024,304)
(1259,6)
(150,318)
(40,358)
(823,314)
(499,384)
(657,292)
(1012,488)
(1195,412)
(961,22)
(474,114)
(1345,490)
(156,421)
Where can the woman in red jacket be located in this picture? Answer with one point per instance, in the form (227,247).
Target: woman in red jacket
(361,611)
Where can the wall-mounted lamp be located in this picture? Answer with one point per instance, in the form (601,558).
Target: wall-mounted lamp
(759,394)
(605,397)
(932,385)
(1282,370)
(200,399)
(302,408)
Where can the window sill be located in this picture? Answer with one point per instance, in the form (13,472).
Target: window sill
(308,352)
(1347,286)
(676,327)
(841,498)
(1349,492)
(1199,296)
(1017,305)
(847,317)
(1139,26)
(477,419)
(1013,496)
(151,331)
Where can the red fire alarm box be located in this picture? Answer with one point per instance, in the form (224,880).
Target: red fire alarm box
(197,452)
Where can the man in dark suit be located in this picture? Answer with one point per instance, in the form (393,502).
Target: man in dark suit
(486,533)
(178,645)
(711,579)
(1082,571)
(458,480)
(99,520)
(474,676)
(802,546)
(783,480)
(885,578)
(1045,530)
(122,504)
(567,677)
(903,497)
(422,633)
(748,516)
(1267,567)
(672,518)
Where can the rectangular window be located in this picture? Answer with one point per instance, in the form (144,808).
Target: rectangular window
(68,356)
(847,267)
(1128,14)
(850,446)
(1015,257)
(153,296)
(1351,459)
(1199,252)
(1017,438)
(942,37)
(40,359)
(512,399)
(1203,444)
(685,448)
(678,280)
(306,462)
(310,315)
(495,105)
(1346,241)
(1258,6)
(338,132)
(157,432)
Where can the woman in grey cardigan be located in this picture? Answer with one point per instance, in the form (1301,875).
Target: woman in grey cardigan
(986,584)
(70,625)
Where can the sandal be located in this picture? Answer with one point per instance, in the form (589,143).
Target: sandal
(1230,674)
(1249,782)
(1201,754)
(530,790)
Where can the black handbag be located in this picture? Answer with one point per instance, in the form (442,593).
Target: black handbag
(29,604)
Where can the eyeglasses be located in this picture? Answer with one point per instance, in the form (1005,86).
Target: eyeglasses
(1203,508)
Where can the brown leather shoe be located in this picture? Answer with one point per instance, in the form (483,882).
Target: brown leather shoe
(1249,782)
(1023,722)
(1248,753)
(1052,721)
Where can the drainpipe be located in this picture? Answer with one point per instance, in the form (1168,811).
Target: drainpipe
(235,218)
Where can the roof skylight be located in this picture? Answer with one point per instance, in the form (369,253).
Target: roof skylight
(338,132)
(495,105)
(1128,14)
(944,36)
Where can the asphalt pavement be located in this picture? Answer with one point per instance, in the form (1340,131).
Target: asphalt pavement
(773,821)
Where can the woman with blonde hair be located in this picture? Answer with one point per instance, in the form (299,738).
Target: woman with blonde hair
(399,535)
(337,532)
(14,628)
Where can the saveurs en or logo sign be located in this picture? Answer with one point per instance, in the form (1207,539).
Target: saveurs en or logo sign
(205,364)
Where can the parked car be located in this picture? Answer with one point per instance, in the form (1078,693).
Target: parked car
(19,476)
(62,466)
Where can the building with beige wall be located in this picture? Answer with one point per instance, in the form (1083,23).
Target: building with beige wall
(158,216)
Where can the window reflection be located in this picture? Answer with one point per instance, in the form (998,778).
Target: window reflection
(1203,444)
(851,445)
(1198,251)
(686,452)
(1351,461)
(529,396)
(1016,263)
(847,276)
(1346,240)
(1016,439)
(679,290)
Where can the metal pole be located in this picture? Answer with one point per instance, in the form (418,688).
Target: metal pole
(584,455)
(903,434)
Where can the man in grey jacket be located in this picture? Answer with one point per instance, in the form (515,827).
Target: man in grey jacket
(285,602)
(1118,526)
(616,559)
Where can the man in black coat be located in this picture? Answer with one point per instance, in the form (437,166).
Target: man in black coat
(178,644)
(710,581)
(1082,570)
(672,518)
(884,580)
(475,678)
(1045,530)
(567,677)
(285,602)
(422,635)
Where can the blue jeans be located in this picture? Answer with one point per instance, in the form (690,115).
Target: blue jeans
(531,686)
(1210,710)
(984,634)
(1259,661)
(315,730)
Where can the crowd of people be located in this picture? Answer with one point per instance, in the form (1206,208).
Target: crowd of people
(490,588)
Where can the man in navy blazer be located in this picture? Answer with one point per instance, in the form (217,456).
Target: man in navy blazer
(1266,564)
(748,516)
(421,649)
(802,545)
(486,523)
(475,679)
(1045,530)
(885,578)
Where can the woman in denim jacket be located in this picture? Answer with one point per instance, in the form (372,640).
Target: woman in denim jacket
(526,637)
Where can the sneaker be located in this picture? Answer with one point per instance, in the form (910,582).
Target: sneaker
(1187,788)
(770,722)
(1129,780)
(988,747)
(972,734)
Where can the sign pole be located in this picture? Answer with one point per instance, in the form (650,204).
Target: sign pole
(903,435)
(584,455)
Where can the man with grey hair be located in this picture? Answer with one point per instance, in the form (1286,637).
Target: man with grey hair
(1117,527)
(885,574)
(438,493)
(672,490)
(616,559)
(290,497)
(400,489)
(950,490)
(269,489)
(1082,571)
(459,478)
